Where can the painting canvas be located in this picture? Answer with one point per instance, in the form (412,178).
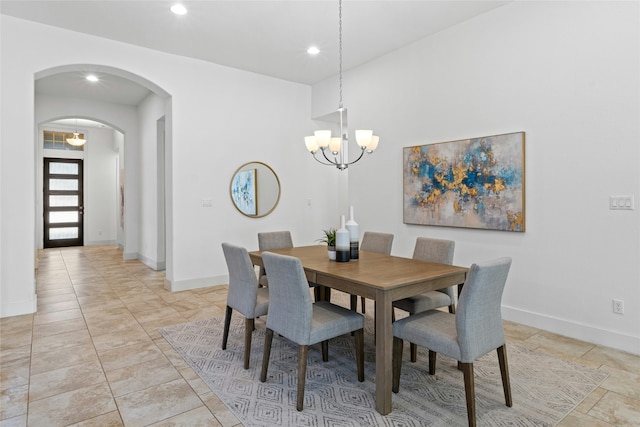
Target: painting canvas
(243,191)
(472,183)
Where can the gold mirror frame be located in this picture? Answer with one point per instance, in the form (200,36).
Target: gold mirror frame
(258,186)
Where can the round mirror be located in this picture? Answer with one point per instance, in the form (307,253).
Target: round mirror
(255,189)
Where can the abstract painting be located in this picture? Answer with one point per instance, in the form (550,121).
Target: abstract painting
(243,191)
(471,183)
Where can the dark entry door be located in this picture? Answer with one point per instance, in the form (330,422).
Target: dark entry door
(63,203)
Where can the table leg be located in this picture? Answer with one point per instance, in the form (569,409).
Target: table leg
(384,340)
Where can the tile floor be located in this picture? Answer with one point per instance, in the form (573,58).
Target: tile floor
(92,356)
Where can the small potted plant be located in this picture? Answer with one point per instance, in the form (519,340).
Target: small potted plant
(330,239)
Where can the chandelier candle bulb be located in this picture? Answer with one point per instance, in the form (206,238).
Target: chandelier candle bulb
(354,242)
(343,245)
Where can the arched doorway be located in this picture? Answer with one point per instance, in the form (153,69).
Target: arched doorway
(135,111)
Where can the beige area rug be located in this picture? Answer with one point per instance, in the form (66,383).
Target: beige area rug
(545,389)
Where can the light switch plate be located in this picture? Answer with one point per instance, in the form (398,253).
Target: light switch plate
(621,203)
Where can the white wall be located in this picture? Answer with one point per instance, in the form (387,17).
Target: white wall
(218,119)
(567,74)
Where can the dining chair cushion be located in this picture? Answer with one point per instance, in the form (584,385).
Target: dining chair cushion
(330,320)
(430,329)
(423,302)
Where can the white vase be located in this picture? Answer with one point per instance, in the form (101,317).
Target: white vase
(343,245)
(354,241)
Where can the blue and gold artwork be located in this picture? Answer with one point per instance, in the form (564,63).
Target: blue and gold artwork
(472,183)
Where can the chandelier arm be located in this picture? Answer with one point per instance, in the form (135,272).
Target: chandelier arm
(330,163)
(359,157)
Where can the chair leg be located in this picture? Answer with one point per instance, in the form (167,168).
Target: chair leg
(303,351)
(364,306)
(432,362)
(414,352)
(452,309)
(325,350)
(396,363)
(359,336)
(248,331)
(227,322)
(504,371)
(354,302)
(469,391)
(268,338)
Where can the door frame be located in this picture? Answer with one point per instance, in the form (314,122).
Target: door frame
(79,240)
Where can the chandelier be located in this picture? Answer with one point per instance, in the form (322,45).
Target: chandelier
(76,140)
(336,146)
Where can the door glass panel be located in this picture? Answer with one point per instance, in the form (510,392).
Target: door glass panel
(63,233)
(63,168)
(63,201)
(58,217)
(63,184)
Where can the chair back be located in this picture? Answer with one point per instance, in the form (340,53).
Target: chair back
(274,240)
(290,310)
(478,315)
(373,241)
(434,250)
(243,284)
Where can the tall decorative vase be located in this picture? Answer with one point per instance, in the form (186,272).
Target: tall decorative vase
(354,241)
(343,246)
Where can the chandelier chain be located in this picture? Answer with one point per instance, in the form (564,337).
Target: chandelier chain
(340,47)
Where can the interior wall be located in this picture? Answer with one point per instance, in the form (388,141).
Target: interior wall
(150,110)
(219,118)
(567,74)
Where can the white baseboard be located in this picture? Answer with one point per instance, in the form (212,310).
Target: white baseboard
(184,285)
(100,243)
(578,331)
(155,265)
(19,308)
(129,255)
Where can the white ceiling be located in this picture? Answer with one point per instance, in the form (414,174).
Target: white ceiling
(264,36)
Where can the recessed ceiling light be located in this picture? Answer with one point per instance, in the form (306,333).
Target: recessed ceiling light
(313,50)
(178,9)
(92,78)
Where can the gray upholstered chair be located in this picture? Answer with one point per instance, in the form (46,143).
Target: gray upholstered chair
(279,240)
(243,296)
(373,241)
(474,330)
(272,240)
(432,250)
(293,316)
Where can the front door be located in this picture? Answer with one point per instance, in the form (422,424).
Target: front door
(63,203)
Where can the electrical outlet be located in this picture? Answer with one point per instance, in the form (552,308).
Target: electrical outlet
(618,306)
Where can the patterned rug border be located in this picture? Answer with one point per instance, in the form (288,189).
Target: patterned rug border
(545,388)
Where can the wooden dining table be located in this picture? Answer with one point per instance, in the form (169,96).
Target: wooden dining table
(382,278)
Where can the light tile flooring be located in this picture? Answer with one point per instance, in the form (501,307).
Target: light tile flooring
(92,355)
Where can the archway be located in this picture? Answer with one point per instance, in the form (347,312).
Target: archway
(145,146)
